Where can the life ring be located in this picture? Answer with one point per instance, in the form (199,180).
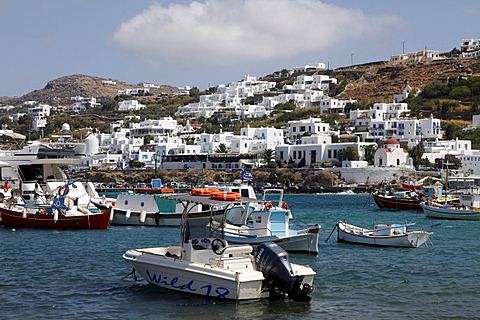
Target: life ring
(60,191)
(284,205)
(204,191)
(268,206)
(225,195)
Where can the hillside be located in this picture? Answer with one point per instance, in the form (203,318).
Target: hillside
(368,83)
(59,91)
(379,81)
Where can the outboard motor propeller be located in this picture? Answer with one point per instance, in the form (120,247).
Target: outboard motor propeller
(273,262)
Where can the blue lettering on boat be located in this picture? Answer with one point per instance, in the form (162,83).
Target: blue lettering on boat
(173,283)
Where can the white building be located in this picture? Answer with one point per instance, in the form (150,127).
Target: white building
(39,115)
(306,127)
(313,150)
(402,96)
(309,67)
(470,45)
(130,105)
(475,123)
(162,126)
(419,56)
(332,105)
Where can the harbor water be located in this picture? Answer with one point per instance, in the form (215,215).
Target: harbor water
(77,274)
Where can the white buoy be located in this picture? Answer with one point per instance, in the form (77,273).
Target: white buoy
(13,230)
(129,212)
(55,216)
(143,216)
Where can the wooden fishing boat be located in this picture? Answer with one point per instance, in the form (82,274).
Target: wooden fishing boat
(399,200)
(467,208)
(384,235)
(50,216)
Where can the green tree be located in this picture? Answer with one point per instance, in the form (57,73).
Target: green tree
(349,153)
(416,153)
(369,153)
(268,156)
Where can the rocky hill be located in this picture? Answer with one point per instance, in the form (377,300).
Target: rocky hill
(59,91)
(379,81)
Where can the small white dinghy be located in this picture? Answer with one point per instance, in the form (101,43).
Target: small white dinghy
(386,235)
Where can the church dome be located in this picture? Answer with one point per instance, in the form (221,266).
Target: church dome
(392,141)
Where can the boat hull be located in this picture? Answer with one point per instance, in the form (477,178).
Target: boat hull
(196,278)
(351,234)
(15,218)
(305,243)
(122,217)
(449,213)
(384,202)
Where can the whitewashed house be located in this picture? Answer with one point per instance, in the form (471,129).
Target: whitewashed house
(475,123)
(130,105)
(321,150)
(39,116)
(152,127)
(418,56)
(306,127)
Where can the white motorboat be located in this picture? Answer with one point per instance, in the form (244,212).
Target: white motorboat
(385,235)
(211,267)
(36,174)
(265,221)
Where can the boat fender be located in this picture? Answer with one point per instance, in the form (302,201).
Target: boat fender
(128,213)
(143,216)
(111,214)
(24,213)
(55,216)
(268,206)
(284,205)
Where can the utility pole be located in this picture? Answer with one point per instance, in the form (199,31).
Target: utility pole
(351,59)
(403,47)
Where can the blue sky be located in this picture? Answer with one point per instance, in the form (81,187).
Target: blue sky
(205,43)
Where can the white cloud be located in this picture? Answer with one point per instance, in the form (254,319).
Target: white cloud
(225,32)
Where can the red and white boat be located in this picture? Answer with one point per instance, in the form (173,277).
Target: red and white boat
(399,200)
(54,216)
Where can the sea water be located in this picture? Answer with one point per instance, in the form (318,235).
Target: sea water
(77,274)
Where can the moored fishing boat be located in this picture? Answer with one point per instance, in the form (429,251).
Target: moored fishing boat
(467,207)
(267,221)
(149,209)
(399,200)
(384,235)
(61,214)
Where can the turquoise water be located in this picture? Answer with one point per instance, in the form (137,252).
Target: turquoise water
(58,274)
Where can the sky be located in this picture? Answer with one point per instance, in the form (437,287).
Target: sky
(205,43)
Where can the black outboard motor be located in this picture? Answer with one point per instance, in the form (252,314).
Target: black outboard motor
(272,261)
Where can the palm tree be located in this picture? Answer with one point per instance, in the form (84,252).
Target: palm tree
(222,148)
(268,156)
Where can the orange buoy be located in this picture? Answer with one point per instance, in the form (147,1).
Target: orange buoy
(204,191)
(284,205)
(225,195)
(268,206)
